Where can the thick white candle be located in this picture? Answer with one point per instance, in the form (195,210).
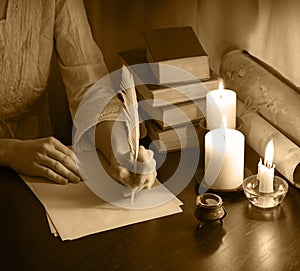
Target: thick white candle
(224,159)
(220,102)
(265,173)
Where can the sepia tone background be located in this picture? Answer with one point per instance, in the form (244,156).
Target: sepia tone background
(268,29)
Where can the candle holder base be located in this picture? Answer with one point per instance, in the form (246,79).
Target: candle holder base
(265,200)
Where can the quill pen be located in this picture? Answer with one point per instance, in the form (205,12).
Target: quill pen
(128,95)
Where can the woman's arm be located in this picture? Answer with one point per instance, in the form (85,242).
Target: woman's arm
(80,59)
(82,65)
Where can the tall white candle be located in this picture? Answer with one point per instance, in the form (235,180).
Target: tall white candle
(224,158)
(220,102)
(265,173)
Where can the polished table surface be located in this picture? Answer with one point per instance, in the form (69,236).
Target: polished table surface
(249,239)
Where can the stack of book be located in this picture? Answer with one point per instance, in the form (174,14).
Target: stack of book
(172,77)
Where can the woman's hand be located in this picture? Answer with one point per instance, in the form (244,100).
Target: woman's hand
(111,140)
(139,176)
(45,157)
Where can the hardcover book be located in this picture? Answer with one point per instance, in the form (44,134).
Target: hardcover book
(170,140)
(161,95)
(173,115)
(180,48)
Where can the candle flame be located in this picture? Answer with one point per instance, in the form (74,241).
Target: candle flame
(224,122)
(269,154)
(221,88)
(221,85)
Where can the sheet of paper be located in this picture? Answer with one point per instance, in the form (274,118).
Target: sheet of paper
(51,226)
(74,211)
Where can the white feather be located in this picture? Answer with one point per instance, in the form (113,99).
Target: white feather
(131,110)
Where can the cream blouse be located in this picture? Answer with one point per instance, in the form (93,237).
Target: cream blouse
(27,36)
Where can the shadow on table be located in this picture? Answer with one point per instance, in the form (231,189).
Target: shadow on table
(209,237)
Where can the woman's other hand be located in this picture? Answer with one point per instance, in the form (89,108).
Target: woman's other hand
(44,157)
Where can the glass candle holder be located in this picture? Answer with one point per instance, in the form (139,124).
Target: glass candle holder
(265,200)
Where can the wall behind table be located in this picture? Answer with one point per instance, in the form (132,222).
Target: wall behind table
(268,29)
(118,25)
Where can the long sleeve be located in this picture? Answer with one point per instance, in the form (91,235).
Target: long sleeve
(82,65)
(80,59)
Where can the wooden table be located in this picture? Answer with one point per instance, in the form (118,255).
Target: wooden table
(250,239)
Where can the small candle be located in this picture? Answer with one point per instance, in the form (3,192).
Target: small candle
(220,102)
(224,158)
(265,173)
